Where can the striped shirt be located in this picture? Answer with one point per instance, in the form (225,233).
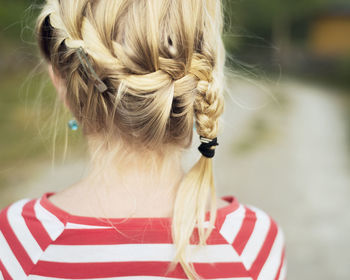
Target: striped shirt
(40,241)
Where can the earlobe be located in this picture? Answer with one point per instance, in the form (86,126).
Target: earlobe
(58,84)
(53,77)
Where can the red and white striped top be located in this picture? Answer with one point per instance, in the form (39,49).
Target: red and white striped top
(38,240)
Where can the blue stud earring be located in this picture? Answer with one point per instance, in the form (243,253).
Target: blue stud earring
(73,125)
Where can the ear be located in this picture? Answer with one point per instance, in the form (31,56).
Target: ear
(58,84)
(53,76)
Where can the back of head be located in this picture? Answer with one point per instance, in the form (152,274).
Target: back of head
(160,64)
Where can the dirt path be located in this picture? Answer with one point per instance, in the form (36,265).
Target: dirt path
(298,172)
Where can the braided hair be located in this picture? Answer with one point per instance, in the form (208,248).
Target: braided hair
(162,63)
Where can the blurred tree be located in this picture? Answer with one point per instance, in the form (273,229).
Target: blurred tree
(273,20)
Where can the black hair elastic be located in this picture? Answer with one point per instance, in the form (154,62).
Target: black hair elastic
(205,147)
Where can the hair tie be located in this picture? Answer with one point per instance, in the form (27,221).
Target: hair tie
(205,147)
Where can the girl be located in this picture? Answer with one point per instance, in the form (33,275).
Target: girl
(136,75)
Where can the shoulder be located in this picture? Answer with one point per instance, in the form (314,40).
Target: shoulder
(26,230)
(258,240)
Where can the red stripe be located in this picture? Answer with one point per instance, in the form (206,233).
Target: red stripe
(265,250)
(13,242)
(35,226)
(234,205)
(120,269)
(215,237)
(245,232)
(281,264)
(222,270)
(4,272)
(112,236)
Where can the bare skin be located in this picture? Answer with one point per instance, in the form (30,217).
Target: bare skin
(128,194)
(75,201)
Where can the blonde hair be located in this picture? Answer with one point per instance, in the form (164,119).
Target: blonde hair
(163,64)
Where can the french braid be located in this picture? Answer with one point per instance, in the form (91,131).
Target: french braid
(162,62)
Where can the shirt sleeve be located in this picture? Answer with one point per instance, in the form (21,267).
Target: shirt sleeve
(26,230)
(259,242)
(265,256)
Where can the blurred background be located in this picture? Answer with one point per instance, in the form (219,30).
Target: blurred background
(286,128)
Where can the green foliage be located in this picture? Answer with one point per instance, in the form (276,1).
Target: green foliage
(14,16)
(27,116)
(263,14)
(343,71)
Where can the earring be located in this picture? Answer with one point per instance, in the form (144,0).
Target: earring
(73,125)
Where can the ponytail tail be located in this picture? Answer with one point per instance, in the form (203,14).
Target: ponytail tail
(190,212)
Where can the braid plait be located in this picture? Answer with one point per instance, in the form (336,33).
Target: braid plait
(89,41)
(176,87)
(208,107)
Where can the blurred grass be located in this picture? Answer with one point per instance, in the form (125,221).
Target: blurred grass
(262,128)
(28,105)
(346,106)
(28,113)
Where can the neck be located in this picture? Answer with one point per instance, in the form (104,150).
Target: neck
(138,183)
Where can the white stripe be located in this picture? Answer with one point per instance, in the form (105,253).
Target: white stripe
(70,225)
(80,226)
(270,268)
(283,273)
(1,276)
(18,225)
(235,278)
(257,238)
(50,222)
(232,224)
(37,277)
(136,252)
(9,260)
(205,224)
